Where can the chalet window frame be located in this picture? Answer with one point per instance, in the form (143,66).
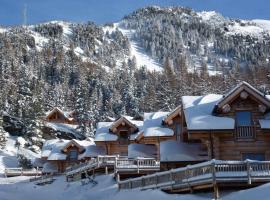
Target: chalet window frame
(71,158)
(245,132)
(123,140)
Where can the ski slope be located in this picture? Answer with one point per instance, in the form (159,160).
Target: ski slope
(142,57)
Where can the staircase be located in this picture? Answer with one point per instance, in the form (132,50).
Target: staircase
(119,164)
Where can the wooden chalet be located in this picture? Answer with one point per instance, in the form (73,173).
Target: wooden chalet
(117,135)
(58,116)
(59,154)
(234,126)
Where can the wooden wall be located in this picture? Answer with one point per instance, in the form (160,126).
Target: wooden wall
(225,146)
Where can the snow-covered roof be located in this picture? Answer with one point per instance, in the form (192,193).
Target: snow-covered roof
(153,125)
(248,88)
(66,114)
(172,151)
(61,127)
(265,123)
(142,150)
(173,113)
(50,167)
(93,151)
(103,132)
(53,149)
(198,113)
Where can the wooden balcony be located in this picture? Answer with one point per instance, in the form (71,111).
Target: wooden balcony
(245,132)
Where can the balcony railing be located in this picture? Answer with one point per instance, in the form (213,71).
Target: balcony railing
(245,132)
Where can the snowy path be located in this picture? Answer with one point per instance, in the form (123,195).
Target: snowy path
(142,57)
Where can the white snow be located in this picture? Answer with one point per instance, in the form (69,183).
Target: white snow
(103,130)
(8,155)
(213,71)
(78,51)
(142,57)
(246,29)
(67,128)
(207,15)
(104,190)
(178,151)
(21,141)
(103,133)
(3,30)
(21,188)
(264,24)
(142,150)
(198,113)
(53,149)
(265,123)
(40,41)
(153,125)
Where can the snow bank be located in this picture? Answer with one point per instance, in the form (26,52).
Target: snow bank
(104,190)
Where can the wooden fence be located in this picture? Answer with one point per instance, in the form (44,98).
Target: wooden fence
(211,172)
(120,164)
(9,172)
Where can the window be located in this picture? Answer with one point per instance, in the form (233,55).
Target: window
(178,131)
(243,118)
(253,156)
(73,155)
(123,137)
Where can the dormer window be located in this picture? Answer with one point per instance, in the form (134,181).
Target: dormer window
(123,137)
(244,126)
(243,118)
(73,154)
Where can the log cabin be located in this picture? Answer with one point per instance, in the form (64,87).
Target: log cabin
(58,154)
(117,135)
(64,124)
(59,116)
(234,126)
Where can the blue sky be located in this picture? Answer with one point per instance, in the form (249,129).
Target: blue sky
(102,11)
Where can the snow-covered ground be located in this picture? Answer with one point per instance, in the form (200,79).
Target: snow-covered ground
(8,155)
(21,188)
(142,57)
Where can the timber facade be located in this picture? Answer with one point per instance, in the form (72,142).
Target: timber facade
(234,126)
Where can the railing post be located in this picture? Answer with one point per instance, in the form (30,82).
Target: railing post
(138,166)
(216,190)
(248,171)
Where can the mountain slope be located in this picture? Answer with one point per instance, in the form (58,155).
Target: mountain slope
(91,68)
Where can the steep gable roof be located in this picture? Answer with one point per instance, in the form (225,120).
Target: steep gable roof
(243,87)
(172,114)
(122,120)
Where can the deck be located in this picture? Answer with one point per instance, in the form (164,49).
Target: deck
(120,165)
(211,174)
